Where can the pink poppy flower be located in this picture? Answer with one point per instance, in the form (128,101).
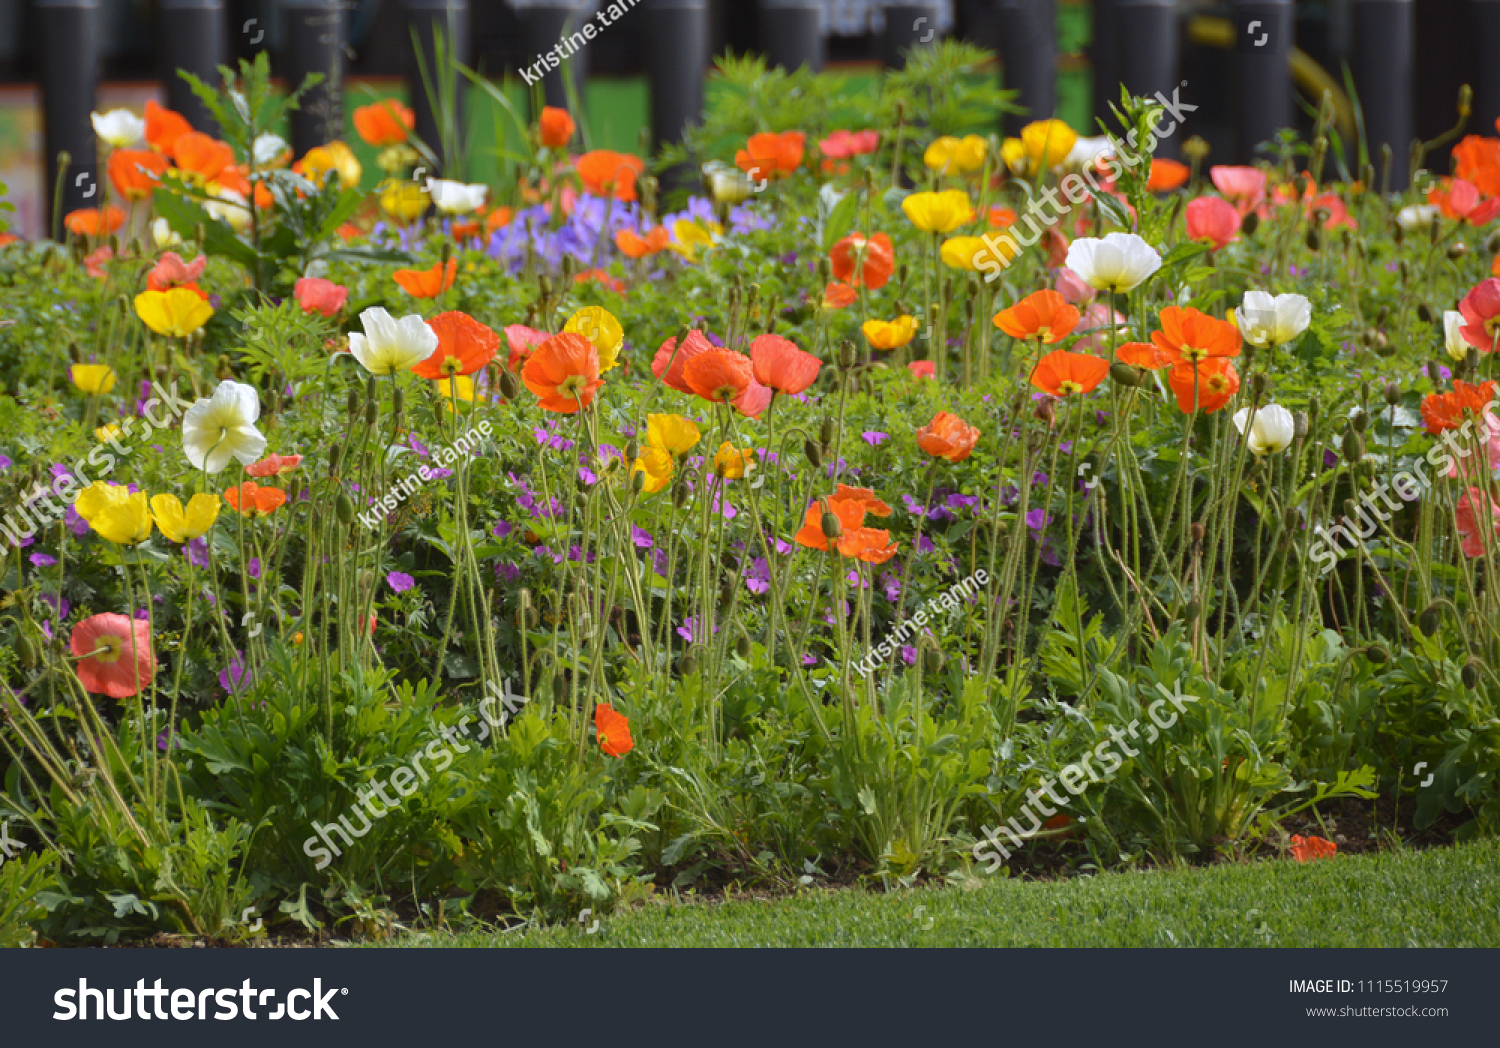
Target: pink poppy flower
(93,265)
(1096,341)
(1212,219)
(1472,540)
(1481,311)
(171,271)
(115,653)
(922,368)
(522,341)
(1072,287)
(316,295)
(1245,187)
(842,144)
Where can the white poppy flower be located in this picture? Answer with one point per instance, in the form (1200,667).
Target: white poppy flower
(1417,216)
(268,149)
(1119,262)
(1267,320)
(119,127)
(222,427)
(389,344)
(163,234)
(1453,339)
(230,206)
(1086,152)
(456,198)
(1272,430)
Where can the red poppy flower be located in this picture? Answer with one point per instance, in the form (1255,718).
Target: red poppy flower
(1477,160)
(427,283)
(464,346)
(1043,315)
(556,127)
(867,544)
(1443,411)
(202,155)
(1062,374)
(1306,849)
(1481,311)
(171,271)
(841,145)
(850,514)
(613,730)
(253,500)
(273,466)
(317,295)
(1211,384)
(633,245)
(922,368)
(718,375)
(1165,175)
(1144,355)
(604,172)
(873,268)
(837,296)
(600,276)
(670,363)
(771,156)
(134,172)
(564,373)
(1460,200)
(1212,219)
(522,340)
(949,437)
(384,123)
(115,653)
(778,363)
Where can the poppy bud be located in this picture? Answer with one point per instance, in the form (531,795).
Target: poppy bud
(372,411)
(1492,245)
(742,647)
(813,452)
(73,352)
(1291,518)
(1471,358)
(632,450)
(679,493)
(398,400)
(1458,249)
(1354,448)
(827,430)
(1249,224)
(1397,233)
(1191,611)
(25,649)
(832,529)
(1197,531)
(1378,655)
(510,386)
(567,268)
(1430,619)
(1126,375)
(1045,412)
(1392,393)
(932,661)
(1424,312)
(353,404)
(1434,372)
(1348,239)
(1360,422)
(560,689)
(530,619)
(1314,241)
(687,665)
(1405,271)
(294,490)
(335,453)
(824,272)
(344,507)
(848,354)
(1299,425)
(1470,674)
(901,271)
(1258,383)
(1314,409)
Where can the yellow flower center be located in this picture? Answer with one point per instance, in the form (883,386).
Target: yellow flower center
(113,647)
(1194,354)
(1068,388)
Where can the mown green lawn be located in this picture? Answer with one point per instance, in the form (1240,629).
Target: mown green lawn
(1440,897)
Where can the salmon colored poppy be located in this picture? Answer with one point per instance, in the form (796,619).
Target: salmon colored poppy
(1477,161)
(1188,335)
(1165,175)
(253,500)
(670,363)
(564,373)
(1212,220)
(948,437)
(1144,355)
(171,271)
(1472,538)
(1063,374)
(1444,411)
(922,369)
(837,296)
(319,295)
(522,340)
(601,277)
(1211,384)
(867,544)
(613,730)
(274,465)
(94,262)
(1460,200)
(633,245)
(91,222)
(499,218)
(164,127)
(605,172)
(114,653)
(718,375)
(1043,315)
(384,123)
(201,157)
(1306,849)
(859,260)
(464,346)
(134,172)
(556,127)
(769,155)
(778,363)
(427,283)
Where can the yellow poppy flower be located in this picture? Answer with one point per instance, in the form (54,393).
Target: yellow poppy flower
(733,462)
(890,334)
(956,156)
(962,252)
(115,513)
(94,379)
(688,236)
(403,200)
(1048,141)
(176,312)
(335,157)
(180,526)
(107,432)
(938,212)
(656,464)
(671,433)
(462,385)
(600,327)
(1013,152)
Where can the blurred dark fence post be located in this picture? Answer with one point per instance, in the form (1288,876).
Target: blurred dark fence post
(544,26)
(425,19)
(1028,56)
(315,44)
(907,26)
(1146,49)
(1384,76)
(1103,57)
(69,66)
(1487,82)
(674,35)
(194,37)
(1262,73)
(791,34)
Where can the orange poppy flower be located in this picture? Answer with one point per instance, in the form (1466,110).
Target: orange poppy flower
(838,296)
(1062,374)
(563,372)
(1144,355)
(718,375)
(778,363)
(1001,217)
(464,346)
(613,730)
(274,465)
(878,263)
(864,498)
(427,283)
(867,544)
(948,436)
(91,222)
(126,172)
(556,127)
(349,231)
(1306,849)
(1165,175)
(1188,335)
(164,127)
(1043,315)
(1213,383)
(257,501)
(850,514)
(384,123)
(670,363)
(1478,161)
(633,245)
(771,155)
(604,172)
(201,156)
(1443,411)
